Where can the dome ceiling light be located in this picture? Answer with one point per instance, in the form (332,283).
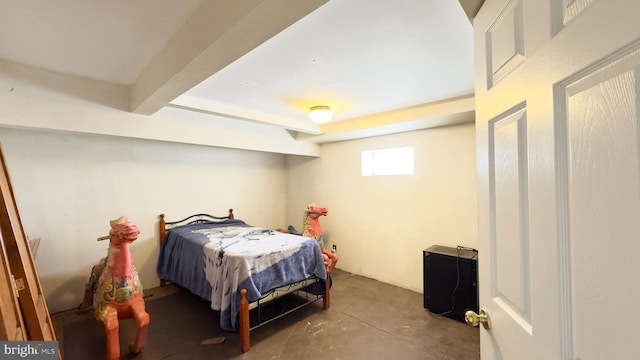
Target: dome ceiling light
(320,113)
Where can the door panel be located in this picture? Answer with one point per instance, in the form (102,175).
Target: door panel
(566,10)
(599,128)
(511,277)
(505,43)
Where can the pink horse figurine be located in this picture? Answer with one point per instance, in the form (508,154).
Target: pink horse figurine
(116,291)
(311,228)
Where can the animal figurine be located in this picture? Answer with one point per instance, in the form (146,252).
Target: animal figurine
(114,290)
(311,228)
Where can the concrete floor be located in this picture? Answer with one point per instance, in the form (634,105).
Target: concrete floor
(368,319)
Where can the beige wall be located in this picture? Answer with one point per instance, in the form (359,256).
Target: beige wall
(381,224)
(69,186)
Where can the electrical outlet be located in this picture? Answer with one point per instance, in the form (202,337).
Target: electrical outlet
(334,248)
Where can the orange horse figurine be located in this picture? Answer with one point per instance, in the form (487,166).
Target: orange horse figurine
(115,290)
(311,228)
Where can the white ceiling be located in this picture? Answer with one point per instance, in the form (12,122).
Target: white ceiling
(383,66)
(105,40)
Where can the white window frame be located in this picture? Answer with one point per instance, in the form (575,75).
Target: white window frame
(387,162)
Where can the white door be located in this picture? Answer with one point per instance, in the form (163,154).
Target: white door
(557,116)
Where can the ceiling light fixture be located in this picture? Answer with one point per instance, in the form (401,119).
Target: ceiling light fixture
(320,113)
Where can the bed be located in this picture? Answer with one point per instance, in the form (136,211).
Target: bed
(239,267)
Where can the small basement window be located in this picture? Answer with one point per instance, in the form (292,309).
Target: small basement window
(395,161)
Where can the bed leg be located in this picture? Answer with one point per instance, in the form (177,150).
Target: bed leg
(245,339)
(326,301)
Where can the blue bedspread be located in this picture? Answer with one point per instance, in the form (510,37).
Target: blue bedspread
(215,260)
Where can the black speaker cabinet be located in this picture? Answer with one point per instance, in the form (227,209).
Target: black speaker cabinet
(450,281)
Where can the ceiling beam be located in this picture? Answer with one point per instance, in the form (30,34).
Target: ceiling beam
(218,33)
(448,112)
(204,106)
